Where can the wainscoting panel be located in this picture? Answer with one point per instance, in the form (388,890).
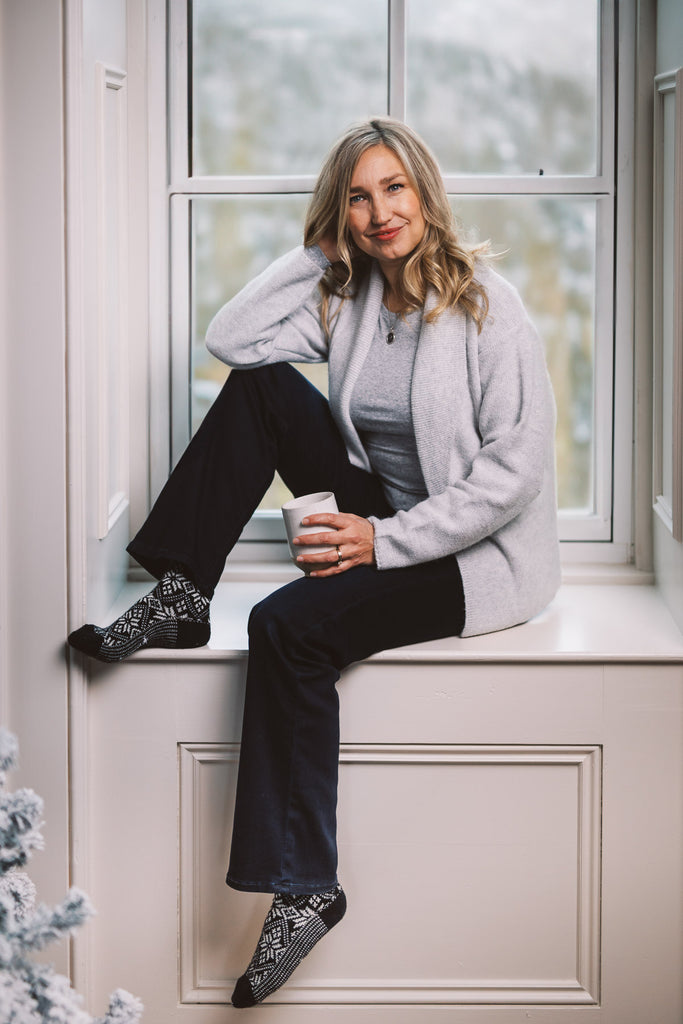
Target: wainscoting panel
(509,840)
(482,863)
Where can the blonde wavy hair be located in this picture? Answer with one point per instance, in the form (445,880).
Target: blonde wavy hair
(441,260)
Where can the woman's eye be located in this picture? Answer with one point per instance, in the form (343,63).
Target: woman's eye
(395,186)
(355,199)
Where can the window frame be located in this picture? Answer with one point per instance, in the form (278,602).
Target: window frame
(606,534)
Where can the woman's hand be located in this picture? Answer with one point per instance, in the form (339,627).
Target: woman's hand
(351,539)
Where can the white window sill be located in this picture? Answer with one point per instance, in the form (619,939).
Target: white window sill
(592,619)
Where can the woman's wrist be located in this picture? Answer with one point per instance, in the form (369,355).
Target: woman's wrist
(328,246)
(317,255)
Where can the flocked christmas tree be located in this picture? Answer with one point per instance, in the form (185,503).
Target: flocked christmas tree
(33,993)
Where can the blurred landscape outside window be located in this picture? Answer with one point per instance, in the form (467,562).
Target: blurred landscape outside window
(500,90)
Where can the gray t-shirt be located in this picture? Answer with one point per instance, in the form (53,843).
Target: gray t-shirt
(381,411)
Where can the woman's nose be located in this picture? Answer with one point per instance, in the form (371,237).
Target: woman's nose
(380,211)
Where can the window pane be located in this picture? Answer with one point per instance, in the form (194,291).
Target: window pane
(233,239)
(505,86)
(275,83)
(550,245)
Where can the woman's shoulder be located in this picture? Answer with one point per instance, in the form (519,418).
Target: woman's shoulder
(505,306)
(497,287)
(509,338)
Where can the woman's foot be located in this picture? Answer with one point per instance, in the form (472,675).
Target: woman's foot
(174,614)
(292,927)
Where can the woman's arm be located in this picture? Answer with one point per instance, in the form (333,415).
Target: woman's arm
(275,317)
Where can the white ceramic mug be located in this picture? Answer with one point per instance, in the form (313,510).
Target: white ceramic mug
(297,509)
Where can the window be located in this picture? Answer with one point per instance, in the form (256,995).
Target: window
(517,100)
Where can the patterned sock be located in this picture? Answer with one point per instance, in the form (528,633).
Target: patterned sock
(174,614)
(292,927)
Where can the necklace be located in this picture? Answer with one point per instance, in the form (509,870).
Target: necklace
(390,316)
(391,321)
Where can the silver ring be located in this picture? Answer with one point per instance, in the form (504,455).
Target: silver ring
(339,556)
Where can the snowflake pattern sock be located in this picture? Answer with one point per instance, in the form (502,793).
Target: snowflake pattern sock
(174,614)
(292,927)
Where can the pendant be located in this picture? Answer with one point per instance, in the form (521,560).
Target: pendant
(390,338)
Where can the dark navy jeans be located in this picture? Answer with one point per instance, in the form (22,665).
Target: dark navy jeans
(302,635)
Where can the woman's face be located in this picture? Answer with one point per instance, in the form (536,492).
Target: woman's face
(385,214)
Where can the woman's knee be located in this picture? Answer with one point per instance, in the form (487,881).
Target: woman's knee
(270,618)
(287,619)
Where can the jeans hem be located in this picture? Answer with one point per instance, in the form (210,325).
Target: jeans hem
(289,888)
(156,561)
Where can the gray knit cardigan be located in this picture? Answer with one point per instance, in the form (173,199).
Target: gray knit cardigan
(483,414)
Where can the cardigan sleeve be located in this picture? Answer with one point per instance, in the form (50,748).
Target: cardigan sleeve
(275,317)
(514,455)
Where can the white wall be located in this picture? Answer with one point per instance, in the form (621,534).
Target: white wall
(56,278)
(33,402)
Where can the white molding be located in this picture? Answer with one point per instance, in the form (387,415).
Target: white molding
(604,355)
(191,758)
(180,145)
(622,156)
(79,865)
(583,989)
(634,269)
(668,508)
(396,60)
(139,57)
(180,352)
(112,170)
(459,185)
(159,356)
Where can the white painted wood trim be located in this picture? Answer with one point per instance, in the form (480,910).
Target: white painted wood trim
(159,460)
(177,46)
(76,463)
(461,185)
(181,290)
(112,498)
(671,513)
(604,433)
(396,59)
(677,453)
(583,989)
(624,480)
(643,30)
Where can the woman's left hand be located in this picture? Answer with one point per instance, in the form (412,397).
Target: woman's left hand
(351,540)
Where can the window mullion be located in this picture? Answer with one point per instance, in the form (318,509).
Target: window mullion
(180,138)
(181,323)
(607,84)
(270,184)
(480,184)
(396,98)
(603,409)
(528,184)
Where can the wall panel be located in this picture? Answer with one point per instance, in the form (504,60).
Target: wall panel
(493,850)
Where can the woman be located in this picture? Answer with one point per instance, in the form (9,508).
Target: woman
(438,443)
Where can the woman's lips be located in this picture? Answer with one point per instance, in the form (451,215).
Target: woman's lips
(386,236)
